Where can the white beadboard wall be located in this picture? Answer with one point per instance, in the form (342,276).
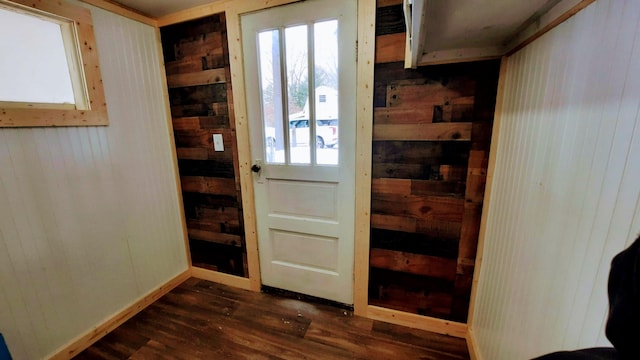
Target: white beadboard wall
(90,217)
(565,194)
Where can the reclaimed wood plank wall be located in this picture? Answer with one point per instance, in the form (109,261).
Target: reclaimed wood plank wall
(198,75)
(431,137)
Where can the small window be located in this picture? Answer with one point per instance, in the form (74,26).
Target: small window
(323,98)
(49,71)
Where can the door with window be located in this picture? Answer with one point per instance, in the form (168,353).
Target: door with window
(300,71)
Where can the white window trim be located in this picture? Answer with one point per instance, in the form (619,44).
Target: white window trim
(90,108)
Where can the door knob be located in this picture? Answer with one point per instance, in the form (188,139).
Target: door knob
(256,168)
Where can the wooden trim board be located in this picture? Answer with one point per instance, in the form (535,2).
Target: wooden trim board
(221,278)
(439,326)
(474,354)
(234,35)
(90,107)
(109,324)
(364,138)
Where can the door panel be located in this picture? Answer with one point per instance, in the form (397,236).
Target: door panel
(303,199)
(304,249)
(304,187)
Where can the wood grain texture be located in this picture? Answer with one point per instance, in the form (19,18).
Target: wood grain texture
(206,77)
(199,82)
(431,135)
(421,115)
(201,319)
(450,328)
(364,116)
(443,208)
(423,132)
(91,106)
(413,263)
(389,48)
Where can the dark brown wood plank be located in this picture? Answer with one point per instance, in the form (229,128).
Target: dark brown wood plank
(470,230)
(446,345)
(423,132)
(435,228)
(415,243)
(194,64)
(413,293)
(202,45)
(429,303)
(216,237)
(390,19)
(402,171)
(413,263)
(199,80)
(422,207)
(201,138)
(421,152)
(416,115)
(423,92)
(205,77)
(206,185)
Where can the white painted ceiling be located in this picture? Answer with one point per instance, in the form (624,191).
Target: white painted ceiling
(157,8)
(454,24)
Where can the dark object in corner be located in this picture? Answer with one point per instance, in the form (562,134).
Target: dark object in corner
(624,312)
(4,351)
(624,302)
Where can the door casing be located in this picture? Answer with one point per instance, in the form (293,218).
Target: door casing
(306,206)
(364,129)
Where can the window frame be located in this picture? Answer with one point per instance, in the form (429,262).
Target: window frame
(90,108)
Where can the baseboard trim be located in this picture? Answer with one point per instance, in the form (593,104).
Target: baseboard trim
(474,354)
(84,341)
(415,321)
(221,278)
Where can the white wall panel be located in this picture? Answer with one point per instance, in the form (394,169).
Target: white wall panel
(565,195)
(90,217)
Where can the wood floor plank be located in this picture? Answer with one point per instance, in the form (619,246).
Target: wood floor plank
(267,320)
(368,347)
(450,345)
(204,320)
(282,346)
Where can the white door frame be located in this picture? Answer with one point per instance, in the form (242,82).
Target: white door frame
(364,129)
(290,220)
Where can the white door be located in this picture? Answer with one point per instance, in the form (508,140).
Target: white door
(303,151)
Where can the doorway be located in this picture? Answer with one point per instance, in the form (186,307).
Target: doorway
(300,81)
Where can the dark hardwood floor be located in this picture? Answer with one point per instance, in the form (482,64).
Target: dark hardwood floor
(204,320)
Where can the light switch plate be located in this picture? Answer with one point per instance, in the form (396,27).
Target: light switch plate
(218,144)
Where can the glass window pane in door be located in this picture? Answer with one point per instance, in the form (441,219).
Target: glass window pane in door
(326,82)
(297,61)
(271,95)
